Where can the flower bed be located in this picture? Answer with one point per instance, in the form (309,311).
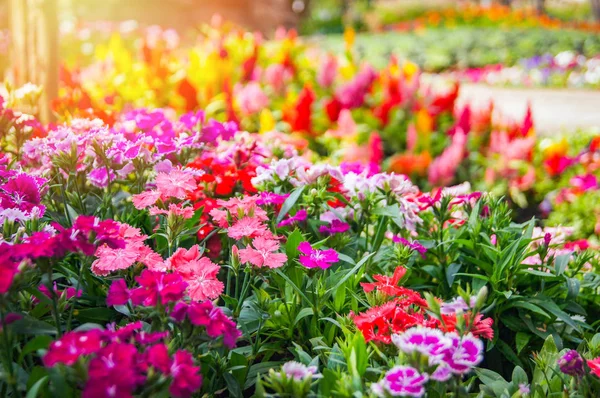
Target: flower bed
(273,243)
(565,70)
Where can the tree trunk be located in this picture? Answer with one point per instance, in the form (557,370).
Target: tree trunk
(540,6)
(596,9)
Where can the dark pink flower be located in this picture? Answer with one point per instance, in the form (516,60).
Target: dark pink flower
(180,311)
(215,321)
(158,357)
(124,333)
(298,217)
(118,294)
(585,182)
(313,258)
(147,338)
(10,318)
(336,227)
(71,346)
(114,370)
(412,245)
(186,377)
(8,268)
(158,287)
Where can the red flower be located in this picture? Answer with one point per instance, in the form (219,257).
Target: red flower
(300,117)
(385,284)
(594,365)
(480,328)
(379,323)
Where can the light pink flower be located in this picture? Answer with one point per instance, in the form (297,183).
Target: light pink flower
(145,199)
(115,259)
(263,254)
(175,184)
(247,227)
(174,209)
(199,272)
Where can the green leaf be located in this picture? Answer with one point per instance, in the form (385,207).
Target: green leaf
(291,246)
(29,325)
(451,272)
(35,389)
(561,262)
(349,274)
(529,306)
(555,310)
(37,343)
(95,315)
(195,220)
(508,353)
(293,285)
(233,388)
(258,369)
(522,339)
(289,203)
(303,313)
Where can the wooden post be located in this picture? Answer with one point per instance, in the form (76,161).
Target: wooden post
(35,51)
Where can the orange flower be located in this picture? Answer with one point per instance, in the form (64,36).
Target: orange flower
(410,163)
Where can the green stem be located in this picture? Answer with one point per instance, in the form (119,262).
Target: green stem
(7,352)
(72,309)
(245,287)
(54,303)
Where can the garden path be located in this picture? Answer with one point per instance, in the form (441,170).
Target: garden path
(553,110)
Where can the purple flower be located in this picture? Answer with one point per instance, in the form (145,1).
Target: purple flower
(405,381)
(299,216)
(192,120)
(299,371)
(456,305)
(464,353)
(430,342)
(571,363)
(411,245)
(547,238)
(270,198)
(442,373)
(213,130)
(585,182)
(313,258)
(336,227)
(99,177)
(524,389)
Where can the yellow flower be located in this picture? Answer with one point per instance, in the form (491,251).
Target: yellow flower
(349,37)
(424,122)
(267,121)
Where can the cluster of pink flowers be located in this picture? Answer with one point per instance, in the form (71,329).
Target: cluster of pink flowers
(20,194)
(168,290)
(245,220)
(119,362)
(86,234)
(111,259)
